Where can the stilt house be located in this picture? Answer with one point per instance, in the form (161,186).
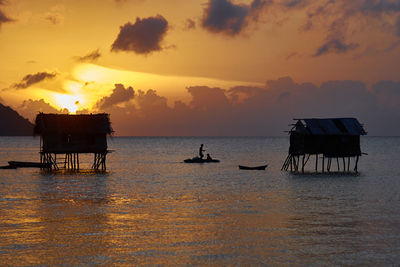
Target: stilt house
(69,135)
(334,139)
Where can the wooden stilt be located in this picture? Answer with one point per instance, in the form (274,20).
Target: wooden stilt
(302,164)
(344,165)
(328,165)
(348,164)
(337,162)
(297,164)
(323,163)
(316,162)
(355,165)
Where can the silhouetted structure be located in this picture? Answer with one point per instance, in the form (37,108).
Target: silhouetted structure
(70,135)
(332,138)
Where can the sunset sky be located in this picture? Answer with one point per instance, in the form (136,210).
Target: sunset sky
(203,67)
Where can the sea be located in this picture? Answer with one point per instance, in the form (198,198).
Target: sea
(149,208)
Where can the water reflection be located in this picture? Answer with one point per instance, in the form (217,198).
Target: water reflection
(151,209)
(73,216)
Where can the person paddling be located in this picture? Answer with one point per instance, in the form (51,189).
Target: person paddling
(201,150)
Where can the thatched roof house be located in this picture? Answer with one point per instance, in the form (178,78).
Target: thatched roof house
(61,133)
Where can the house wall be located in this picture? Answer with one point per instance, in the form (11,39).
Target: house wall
(328,145)
(74,143)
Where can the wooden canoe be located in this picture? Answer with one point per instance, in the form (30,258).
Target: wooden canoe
(241,167)
(23,164)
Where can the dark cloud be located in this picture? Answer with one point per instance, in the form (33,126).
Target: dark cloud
(189,24)
(4,18)
(90,57)
(142,37)
(294,3)
(335,46)
(223,16)
(119,95)
(379,6)
(342,18)
(31,79)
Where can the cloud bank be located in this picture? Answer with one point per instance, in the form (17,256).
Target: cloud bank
(244,110)
(143,37)
(255,111)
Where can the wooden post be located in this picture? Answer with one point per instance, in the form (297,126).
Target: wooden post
(337,161)
(302,164)
(105,157)
(348,164)
(298,162)
(316,162)
(328,165)
(77,155)
(323,163)
(344,165)
(355,166)
(291,163)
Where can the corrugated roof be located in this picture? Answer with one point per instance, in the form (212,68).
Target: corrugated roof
(334,126)
(313,126)
(353,126)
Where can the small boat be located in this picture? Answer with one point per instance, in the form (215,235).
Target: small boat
(199,160)
(24,164)
(7,167)
(253,168)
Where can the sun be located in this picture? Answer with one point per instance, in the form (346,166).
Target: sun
(69,102)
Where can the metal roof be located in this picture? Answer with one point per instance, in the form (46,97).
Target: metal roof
(334,126)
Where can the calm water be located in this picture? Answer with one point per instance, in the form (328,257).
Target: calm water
(149,208)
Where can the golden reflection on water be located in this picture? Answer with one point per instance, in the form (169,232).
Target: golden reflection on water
(67,224)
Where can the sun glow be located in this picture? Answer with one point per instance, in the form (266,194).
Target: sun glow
(69,102)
